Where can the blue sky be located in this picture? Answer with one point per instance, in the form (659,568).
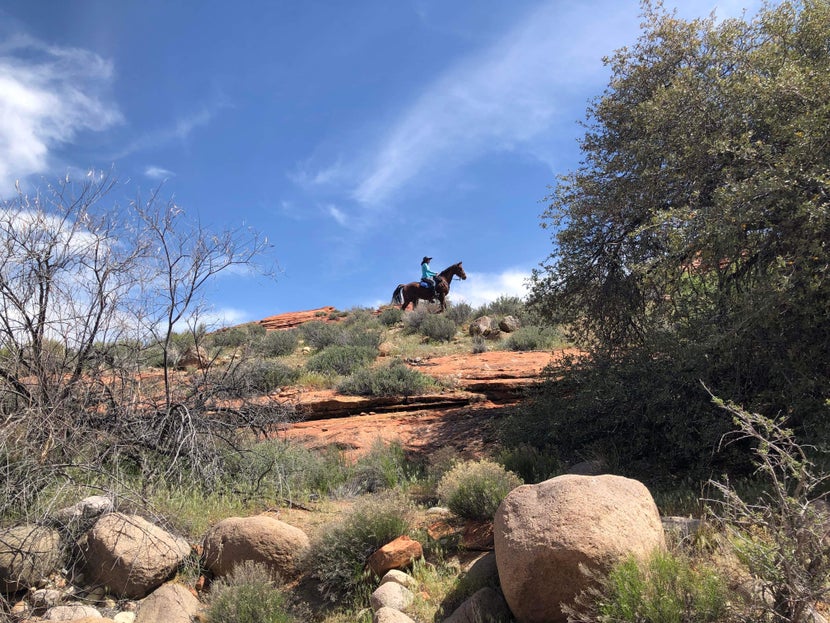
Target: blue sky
(357,136)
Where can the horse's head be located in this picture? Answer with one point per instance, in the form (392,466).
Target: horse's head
(458,270)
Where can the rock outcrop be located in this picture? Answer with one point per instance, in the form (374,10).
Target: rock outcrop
(545,532)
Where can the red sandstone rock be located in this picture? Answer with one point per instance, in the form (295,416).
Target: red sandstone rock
(395,555)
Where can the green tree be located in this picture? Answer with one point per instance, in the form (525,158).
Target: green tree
(696,229)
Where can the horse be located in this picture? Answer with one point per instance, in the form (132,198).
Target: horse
(408,293)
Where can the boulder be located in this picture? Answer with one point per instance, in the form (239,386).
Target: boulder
(390,615)
(481,326)
(484,606)
(508,324)
(260,538)
(194,357)
(171,603)
(28,554)
(397,554)
(482,571)
(391,595)
(544,533)
(131,556)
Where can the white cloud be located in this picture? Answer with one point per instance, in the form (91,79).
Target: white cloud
(481,288)
(48,95)
(158,173)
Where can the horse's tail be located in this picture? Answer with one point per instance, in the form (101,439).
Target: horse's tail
(397,295)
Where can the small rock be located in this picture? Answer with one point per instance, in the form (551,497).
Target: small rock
(45,598)
(390,615)
(124,617)
(399,577)
(395,555)
(391,595)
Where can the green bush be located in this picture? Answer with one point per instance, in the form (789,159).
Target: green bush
(479,344)
(503,306)
(474,489)
(667,588)
(342,360)
(319,334)
(278,343)
(531,338)
(390,316)
(338,555)
(265,376)
(531,464)
(248,594)
(459,313)
(233,337)
(383,467)
(395,379)
(412,320)
(438,327)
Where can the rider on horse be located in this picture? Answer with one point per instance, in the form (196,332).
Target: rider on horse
(427,274)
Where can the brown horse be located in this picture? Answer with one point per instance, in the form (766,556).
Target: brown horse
(411,292)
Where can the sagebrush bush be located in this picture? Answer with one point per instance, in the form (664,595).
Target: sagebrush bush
(459,313)
(318,334)
(338,555)
(395,379)
(384,467)
(390,316)
(531,464)
(342,360)
(438,327)
(248,594)
(474,489)
(667,588)
(413,319)
(264,376)
(479,344)
(232,337)
(278,343)
(531,338)
(503,306)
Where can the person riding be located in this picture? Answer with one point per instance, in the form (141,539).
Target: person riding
(426,273)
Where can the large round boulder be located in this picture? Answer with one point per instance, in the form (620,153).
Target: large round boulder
(545,532)
(260,538)
(28,554)
(131,556)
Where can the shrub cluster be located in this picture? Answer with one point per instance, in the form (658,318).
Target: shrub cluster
(261,376)
(474,489)
(438,327)
(395,379)
(391,316)
(338,556)
(342,360)
(664,589)
(532,338)
(278,343)
(248,594)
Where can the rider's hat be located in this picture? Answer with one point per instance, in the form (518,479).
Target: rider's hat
(426,260)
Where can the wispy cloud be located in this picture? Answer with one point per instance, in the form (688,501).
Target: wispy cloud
(337,214)
(48,95)
(158,173)
(504,97)
(179,130)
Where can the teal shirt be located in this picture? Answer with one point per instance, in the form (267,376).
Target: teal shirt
(426,272)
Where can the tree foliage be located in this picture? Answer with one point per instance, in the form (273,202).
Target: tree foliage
(695,231)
